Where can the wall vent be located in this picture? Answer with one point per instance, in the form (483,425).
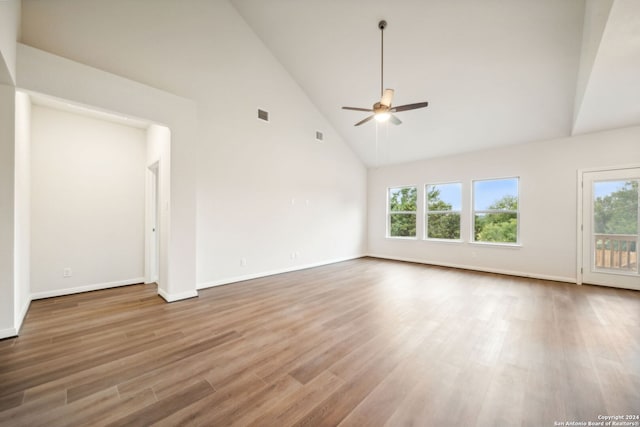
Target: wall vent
(319,136)
(263,115)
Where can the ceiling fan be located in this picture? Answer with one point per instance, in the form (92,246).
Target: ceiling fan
(383,110)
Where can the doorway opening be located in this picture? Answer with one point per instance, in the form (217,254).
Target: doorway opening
(152,226)
(610,228)
(127,159)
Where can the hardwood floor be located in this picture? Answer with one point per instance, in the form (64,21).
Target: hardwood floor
(364,342)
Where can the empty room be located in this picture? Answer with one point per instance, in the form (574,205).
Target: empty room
(305,213)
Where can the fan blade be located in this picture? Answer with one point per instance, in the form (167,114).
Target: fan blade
(358,109)
(409,107)
(393,119)
(365,120)
(387,97)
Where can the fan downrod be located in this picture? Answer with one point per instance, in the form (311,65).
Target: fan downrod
(383,110)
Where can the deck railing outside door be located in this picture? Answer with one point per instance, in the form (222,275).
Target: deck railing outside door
(616,251)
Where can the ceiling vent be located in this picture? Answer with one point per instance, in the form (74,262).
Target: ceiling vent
(263,115)
(319,136)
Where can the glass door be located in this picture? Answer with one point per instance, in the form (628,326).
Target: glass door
(610,228)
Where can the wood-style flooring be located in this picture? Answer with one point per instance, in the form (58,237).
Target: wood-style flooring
(364,342)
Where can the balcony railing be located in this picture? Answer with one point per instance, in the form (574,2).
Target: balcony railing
(616,251)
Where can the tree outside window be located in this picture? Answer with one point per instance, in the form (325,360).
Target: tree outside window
(443,211)
(495,210)
(615,208)
(403,203)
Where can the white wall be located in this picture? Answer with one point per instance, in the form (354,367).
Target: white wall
(596,13)
(248,172)
(7,157)
(88,189)
(268,193)
(9,299)
(9,30)
(548,202)
(85,85)
(22,234)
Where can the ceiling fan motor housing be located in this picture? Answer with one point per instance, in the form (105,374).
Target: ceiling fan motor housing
(380,108)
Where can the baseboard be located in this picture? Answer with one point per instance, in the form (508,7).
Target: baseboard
(87,288)
(22,315)
(273,272)
(482,269)
(177,297)
(8,333)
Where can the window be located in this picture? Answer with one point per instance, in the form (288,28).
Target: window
(402,212)
(443,206)
(495,210)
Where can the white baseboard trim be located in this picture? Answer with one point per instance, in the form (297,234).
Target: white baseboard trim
(482,269)
(177,297)
(87,288)
(8,333)
(22,315)
(273,272)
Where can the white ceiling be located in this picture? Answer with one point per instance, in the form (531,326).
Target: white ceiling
(612,90)
(495,72)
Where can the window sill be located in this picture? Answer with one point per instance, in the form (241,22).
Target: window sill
(450,241)
(498,245)
(400,238)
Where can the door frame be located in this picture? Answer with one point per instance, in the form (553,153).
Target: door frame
(580,212)
(152,220)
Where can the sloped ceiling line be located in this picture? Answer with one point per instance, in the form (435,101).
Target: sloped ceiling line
(611,96)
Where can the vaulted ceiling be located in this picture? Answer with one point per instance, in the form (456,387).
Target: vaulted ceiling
(494,72)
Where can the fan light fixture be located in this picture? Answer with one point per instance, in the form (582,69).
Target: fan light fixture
(382,117)
(383,111)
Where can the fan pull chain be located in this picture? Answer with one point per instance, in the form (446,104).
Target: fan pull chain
(386,146)
(377,159)
(381,61)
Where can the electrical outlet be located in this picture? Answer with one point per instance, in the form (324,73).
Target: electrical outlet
(67,272)
(243,262)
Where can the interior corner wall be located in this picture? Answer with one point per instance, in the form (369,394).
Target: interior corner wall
(87,195)
(22,235)
(7,211)
(596,14)
(78,83)
(9,30)
(547,200)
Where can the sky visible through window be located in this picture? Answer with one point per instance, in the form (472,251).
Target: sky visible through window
(604,188)
(487,193)
(450,194)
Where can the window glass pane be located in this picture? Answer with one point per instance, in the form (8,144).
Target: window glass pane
(495,194)
(496,227)
(402,225)
(615,208)
(444,197)
(403,199)
(443,226)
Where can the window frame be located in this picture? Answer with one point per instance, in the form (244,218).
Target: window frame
(427,212)
(474,212)
(389,212)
